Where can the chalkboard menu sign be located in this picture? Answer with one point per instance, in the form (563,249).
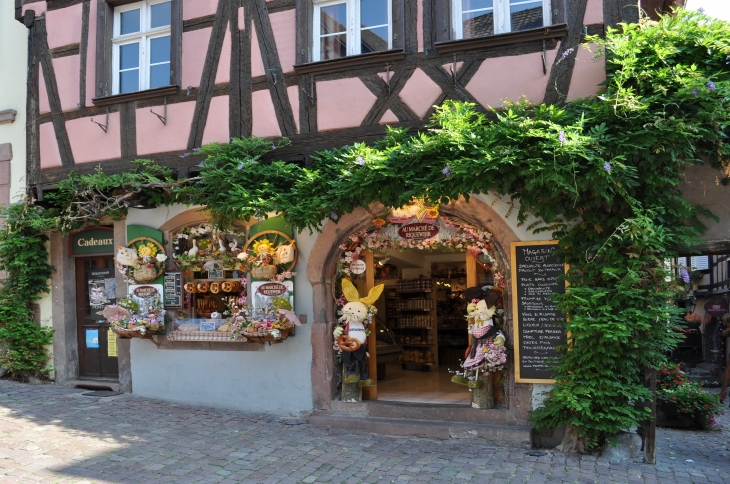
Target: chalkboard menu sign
(173,290)
(535,277)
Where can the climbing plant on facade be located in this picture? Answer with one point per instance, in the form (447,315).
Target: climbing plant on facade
(598,174)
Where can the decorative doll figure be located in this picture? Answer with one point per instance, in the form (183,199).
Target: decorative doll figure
(351,336)
(126,256)
(481,328)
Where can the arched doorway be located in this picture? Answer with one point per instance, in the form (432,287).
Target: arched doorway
(445,263)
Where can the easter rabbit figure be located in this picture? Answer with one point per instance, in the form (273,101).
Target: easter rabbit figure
(351,334)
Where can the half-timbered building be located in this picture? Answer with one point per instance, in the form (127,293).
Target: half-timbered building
(111,81)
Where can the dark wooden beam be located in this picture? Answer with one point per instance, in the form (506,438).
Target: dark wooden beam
(387,97)
(58,4)
(452,87)
(240,111)
(307,104)
(19,10)
(32,110)
(272,68)
(65,50)
(128,126)
(620,11)
(544,33)
(49,74)
(83,51)
(561,72)
(198,23)
(463,76)
(207,80)
(411,25)
(280,5)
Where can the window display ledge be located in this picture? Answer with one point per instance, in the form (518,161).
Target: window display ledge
(217,336)
(542,33)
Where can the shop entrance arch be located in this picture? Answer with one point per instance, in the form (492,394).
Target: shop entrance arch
(326,262)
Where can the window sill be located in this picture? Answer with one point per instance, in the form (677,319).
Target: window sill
(350,61)
(135,96)
(543,33)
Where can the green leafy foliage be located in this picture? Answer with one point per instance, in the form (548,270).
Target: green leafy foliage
(599,174)
(674,388)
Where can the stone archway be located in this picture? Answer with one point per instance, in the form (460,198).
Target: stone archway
(322,265)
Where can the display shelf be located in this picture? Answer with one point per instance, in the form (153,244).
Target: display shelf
(417,345)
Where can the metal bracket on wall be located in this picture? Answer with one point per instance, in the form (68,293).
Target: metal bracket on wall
(162,118)
(275,74)
(453,71)
(104,126)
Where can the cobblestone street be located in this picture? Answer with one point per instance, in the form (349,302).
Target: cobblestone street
(56,434)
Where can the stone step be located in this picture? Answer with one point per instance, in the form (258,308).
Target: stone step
(516,435)
(422,411)
(94,384)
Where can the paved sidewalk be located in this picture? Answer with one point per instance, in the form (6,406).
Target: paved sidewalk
(55,434)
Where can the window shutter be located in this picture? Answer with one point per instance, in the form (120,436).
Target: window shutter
(442,20)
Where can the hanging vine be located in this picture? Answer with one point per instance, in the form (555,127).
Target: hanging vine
(599,174)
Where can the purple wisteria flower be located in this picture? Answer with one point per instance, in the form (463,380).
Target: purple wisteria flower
(185,155)
(694,92)
(561,137)
(607,167)
(447,170)
(240,166)
(566,53)
(701,10)
(334,216)
(711,85)
(360,161)
(201,164)
(685,275)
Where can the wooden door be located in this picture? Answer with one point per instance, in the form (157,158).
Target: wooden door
(94,289)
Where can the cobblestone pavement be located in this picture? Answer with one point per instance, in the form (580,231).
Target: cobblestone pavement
(55,434)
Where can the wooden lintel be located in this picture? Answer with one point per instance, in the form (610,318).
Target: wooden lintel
(543,33)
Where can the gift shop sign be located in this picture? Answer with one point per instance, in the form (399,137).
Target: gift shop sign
(418,231)
(93,241)
(272,289)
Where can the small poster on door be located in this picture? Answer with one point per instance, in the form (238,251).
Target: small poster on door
(92,338)
(111,344)
(102,291)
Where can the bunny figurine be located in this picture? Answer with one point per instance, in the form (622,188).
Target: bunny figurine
(351,334)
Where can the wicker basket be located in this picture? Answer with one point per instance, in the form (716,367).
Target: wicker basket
(218,336)
(135,332)
(268,336)
(145,274)
(264,271)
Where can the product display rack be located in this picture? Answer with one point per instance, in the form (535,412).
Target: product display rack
(453,338)
(416,323)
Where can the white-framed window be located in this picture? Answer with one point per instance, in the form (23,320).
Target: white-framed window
(478,18)
(351,27)
(141,46)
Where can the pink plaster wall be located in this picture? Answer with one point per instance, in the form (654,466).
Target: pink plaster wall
(293,92)
(154,137)
(388,117)
(264,116)
(39,8)
(420,93)
(285,28)
(223,74)
(257,65)
(419,24)
(342,103)
(68,70)
(64,26)
(194,48)
(216,128)
(43,104)
(241,19)
(594,12)
(198,8)
(50,156)
(91,143)
(510,78)
(91,57)
(587,74)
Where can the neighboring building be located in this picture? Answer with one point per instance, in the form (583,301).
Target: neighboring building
(114,80)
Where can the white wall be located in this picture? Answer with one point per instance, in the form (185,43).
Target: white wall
(13,69)
(276,380)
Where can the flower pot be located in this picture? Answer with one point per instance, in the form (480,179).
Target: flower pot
(145,274)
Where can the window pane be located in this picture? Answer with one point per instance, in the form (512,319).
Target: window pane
(373,12)
(333,46)
(129,81)
(478,24)
(160,15)
(525,16)
(333,18)
(129,22)
(374,40)
(160,75)
(129,56)
(467,5)
(160,49)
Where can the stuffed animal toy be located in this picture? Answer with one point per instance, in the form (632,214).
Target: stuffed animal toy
(482,329)
(126,256)
(351,335)
(284,254)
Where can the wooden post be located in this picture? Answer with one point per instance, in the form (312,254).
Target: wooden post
(500,389)
(649,425)
(351,392)
(483,397)
(371,393)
